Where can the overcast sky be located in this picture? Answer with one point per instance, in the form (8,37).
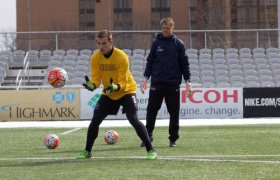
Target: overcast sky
(7,15)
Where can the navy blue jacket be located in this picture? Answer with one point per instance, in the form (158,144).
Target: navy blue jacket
(167,61)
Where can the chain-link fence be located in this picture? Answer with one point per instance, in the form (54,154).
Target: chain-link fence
(211,39)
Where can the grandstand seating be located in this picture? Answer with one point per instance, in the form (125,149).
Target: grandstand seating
(208,85)
(258,50)
(128,52)
(44,57)
(139,51)
(245,50)
(3,71)
(231,51)
(86,52)
(76,81)
(231,56)
(234,66)
(17,58)
(4,63)
(252,84)
(204,51)
(237,84)
(59,52)
(191,51)
(33,57)
(73,52)
(218,51)
(222,84)
(56,61)
(70,57)
(217,67)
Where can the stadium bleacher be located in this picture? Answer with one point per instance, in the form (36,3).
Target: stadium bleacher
(217,67)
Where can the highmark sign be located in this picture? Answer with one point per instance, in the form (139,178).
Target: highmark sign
(29,105)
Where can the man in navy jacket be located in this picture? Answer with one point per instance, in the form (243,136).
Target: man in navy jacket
(166,64)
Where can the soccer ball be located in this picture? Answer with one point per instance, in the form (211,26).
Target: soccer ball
(51,141)
(57,77)
(111,137)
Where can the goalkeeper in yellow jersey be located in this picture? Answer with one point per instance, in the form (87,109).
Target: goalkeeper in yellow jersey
(110,66)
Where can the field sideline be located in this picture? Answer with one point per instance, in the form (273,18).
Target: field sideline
(125,123)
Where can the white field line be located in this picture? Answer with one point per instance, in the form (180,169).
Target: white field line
(70,131)
(174,158)
(210,132)
(223,160)
(125,123)
(226,156)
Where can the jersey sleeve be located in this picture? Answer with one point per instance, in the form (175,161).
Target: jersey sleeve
(123,71)
(95,70)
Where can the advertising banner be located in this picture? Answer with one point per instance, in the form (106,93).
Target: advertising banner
(29,105)
(208,103)
(203,103)
(261,102)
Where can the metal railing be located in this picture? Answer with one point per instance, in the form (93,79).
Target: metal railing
(23,74)
(52,40)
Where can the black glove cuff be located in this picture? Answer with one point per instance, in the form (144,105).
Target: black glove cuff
(119,87)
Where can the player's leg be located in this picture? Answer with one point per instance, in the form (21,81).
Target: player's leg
(172,99)
(99,115)
(140,129)
(154,104)
(92,133)
(130,106)
(93,128)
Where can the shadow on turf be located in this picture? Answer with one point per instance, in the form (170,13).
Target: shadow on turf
(97,149)
(43,162)
(36,163)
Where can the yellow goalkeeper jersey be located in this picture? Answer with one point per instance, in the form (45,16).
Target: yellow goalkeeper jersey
(116,67)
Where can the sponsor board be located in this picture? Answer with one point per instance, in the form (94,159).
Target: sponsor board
(203,103)
(261,102)
(212,103)
(29,105)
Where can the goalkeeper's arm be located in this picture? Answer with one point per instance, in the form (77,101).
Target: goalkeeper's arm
(112,87)
(89,85)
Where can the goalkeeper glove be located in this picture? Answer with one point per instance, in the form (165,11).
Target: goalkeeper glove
(143,86)
(89,85)
(112,87)
(188,88)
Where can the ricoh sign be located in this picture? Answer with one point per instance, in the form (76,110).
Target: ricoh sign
(212,103)
(29,105)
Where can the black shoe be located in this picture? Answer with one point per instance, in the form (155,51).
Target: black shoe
(143,145)
(172,144)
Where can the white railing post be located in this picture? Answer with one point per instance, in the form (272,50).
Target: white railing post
(257,39)
(56,41)
(205,39)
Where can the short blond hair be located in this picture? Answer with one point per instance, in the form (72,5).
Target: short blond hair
(105,34)
(167,20)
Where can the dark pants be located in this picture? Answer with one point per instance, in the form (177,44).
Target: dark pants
(171,94)
(105,106)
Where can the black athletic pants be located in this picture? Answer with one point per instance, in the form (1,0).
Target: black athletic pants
(171,95)
(105,106)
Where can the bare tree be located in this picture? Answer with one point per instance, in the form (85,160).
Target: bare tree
(7,41)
